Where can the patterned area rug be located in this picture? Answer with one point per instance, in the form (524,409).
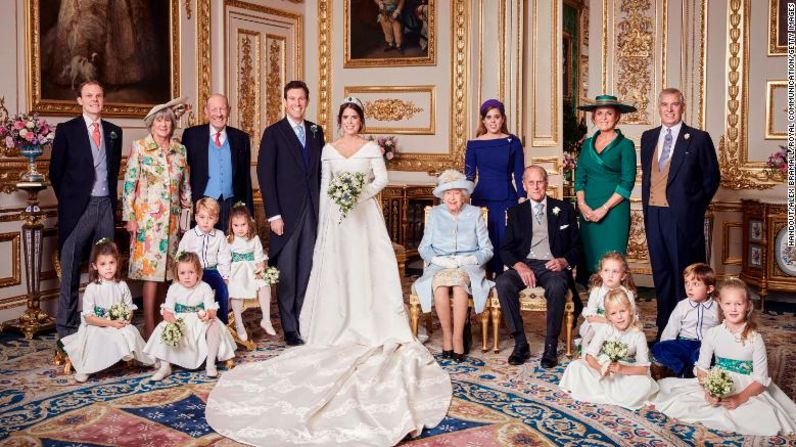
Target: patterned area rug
(494,404)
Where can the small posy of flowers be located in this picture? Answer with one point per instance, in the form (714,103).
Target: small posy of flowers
(26,130)
(387,144)
(344,190)
(615,350)
(270,275)
(119,311)
(173,333)
(718,383)
(778,161)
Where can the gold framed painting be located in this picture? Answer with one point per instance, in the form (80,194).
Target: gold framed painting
(403,110)
(778,27)
(389,33)
(776,110)
(132,48)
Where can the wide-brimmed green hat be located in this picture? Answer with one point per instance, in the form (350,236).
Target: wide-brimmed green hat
(607,101)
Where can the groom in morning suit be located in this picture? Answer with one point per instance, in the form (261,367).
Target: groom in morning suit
(679,175)
(540,246)
(220,160)
(289,172)
(84,173)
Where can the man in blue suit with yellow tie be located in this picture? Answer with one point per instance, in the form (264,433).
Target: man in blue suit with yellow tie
(680,175)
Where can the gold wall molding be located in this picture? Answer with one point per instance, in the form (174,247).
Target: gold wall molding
(203,59)
(460,48)
(15,262)
(637,241)
(737,172)
(275,78)
(604,53)
(635,50)
(391,109)
(771,87)
(396,109)
(555,162)
(551,138)
(725,243)
(249,43)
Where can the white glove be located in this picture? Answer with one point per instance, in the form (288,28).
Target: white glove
(448,262)
(466,260)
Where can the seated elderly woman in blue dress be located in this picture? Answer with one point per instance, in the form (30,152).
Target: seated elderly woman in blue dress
(455,247)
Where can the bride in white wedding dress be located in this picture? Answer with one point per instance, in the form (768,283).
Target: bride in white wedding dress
(362,379)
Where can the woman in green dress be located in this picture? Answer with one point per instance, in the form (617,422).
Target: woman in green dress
(604,179)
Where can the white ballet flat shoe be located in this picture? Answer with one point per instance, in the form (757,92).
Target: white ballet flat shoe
(267,327)
(211,370)
(81,378)
(162,372)
(241,330)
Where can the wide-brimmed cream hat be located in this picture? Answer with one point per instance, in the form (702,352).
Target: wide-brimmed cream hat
(452,179)
(177,105)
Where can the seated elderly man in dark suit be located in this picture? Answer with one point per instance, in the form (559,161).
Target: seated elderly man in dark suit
(540,246)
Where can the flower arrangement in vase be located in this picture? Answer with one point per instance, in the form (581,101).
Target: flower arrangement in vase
(778,162)
(29,134)
(389,145)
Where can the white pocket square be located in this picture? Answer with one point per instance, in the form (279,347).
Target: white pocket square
(563,227)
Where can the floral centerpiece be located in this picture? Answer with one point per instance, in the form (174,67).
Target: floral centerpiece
(270,275)
(173,332)
(718,383)
(778,162)
(119,311)
(387,144)
(29,134)
(344,191)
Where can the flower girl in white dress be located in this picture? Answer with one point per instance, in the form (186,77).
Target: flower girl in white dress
(204,336)
(615,369)
(756,405)
(614,273)
(248,261)
(105,337)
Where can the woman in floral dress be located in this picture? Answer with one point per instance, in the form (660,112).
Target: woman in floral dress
(156,188)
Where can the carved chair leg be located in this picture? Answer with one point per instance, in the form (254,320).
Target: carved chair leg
(67,367)
(414,314)
(485,314)
(230,364)
(496,329)
(569,322)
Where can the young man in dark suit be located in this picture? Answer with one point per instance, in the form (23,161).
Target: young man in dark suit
(289,172)
(540,246)
(679,176)
(84,172)
(220,160)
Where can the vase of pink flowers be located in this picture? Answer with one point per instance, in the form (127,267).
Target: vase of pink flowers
(778,162)
(29,134)
(389,145)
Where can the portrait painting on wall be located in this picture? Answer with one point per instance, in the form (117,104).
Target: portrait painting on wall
(381,33)
(131,47)
(778,27)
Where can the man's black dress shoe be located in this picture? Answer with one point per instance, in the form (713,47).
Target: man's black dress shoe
(447,354)
(458,358)
(519,355)
(550,356)
(292,339)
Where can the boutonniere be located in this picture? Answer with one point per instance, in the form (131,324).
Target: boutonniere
(114,135)
(687,136)
(314,130)
(556,210)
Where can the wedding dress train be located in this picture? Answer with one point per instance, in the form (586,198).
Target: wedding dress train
(362,378)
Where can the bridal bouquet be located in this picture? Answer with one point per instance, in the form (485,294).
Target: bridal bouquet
(615,350)
(718,383)
(173,332)
(270,275)
(344,191)
(119,311)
